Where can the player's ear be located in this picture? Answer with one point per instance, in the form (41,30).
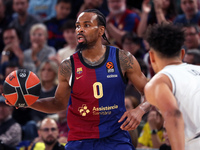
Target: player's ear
(182,53)
(101,30)
(152,56)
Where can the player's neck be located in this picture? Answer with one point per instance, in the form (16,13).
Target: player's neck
(94,56)
(94,52)
(163,64)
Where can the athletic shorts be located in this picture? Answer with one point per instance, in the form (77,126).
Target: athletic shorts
(118,141)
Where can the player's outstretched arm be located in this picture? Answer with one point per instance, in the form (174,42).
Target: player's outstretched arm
(131,69)
(159,93)
(60,101)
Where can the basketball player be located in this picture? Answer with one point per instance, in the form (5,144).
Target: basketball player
(175,89)
(93,80)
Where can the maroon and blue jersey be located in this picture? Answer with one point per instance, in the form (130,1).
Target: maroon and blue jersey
(97,97)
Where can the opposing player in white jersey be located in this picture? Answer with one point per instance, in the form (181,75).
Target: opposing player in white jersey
(175,89)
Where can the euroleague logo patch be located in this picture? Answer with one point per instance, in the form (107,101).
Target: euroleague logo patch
(110,67)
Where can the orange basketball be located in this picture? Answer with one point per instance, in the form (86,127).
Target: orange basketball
(21,88)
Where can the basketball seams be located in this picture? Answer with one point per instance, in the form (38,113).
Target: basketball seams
(20,88)
(32,86)
(26,83)
(10,84)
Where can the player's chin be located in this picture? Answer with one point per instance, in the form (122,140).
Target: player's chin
(81,46)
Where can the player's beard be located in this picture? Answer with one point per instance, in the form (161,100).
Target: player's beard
(81,46)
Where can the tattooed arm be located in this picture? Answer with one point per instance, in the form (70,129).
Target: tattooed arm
(60,101)
(131,69)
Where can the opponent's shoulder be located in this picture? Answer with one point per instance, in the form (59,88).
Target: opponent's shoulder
(65,68)
(157,81)
(126,60)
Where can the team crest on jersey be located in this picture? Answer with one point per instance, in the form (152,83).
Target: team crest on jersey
(79,70)
(110,67)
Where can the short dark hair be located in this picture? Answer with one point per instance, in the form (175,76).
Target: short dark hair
(165,38)
(101,19)
(69,24)
(64,1)
(13,28)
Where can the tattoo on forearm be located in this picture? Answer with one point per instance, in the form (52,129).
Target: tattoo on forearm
(126,60)
(66,68)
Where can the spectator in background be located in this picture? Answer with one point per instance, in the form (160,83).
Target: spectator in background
(157,12)
(166,144)
(69,35)
(23,21)
(192,56)
(191,14)
(54,25)
(4,21)
(47,73)
(133,44)
(93,4)
(61,120)
(10,130)
(43,9)
(120,20)
(192,37)
(48,134)
(12,51)
(152,132)
(39,50)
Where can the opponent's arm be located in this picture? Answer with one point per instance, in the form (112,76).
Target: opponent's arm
(131,69)
(60,101)
(159,93)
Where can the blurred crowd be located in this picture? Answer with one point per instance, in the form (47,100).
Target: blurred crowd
(39,34)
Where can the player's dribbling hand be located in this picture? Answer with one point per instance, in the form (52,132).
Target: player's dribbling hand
(133,118)
(7,102)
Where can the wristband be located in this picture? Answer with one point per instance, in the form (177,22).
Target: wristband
(5,53)
(154,131)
